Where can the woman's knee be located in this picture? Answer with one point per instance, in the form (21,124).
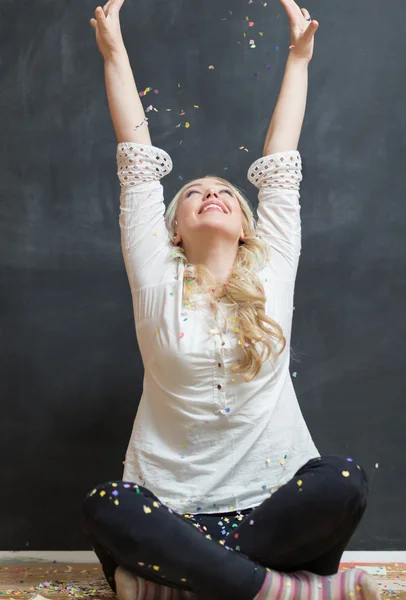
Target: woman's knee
(112,491)
(350,474)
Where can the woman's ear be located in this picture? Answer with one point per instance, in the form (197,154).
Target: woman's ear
(242,236)
(177,240)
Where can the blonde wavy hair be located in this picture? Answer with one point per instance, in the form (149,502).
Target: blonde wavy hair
(243,289)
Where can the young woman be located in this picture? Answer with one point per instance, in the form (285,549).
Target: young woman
(224,494)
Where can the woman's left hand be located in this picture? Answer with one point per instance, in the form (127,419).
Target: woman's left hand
(302,30)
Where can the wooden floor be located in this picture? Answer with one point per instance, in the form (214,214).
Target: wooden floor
(62,581)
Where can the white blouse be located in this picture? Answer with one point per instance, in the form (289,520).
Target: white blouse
(204,440)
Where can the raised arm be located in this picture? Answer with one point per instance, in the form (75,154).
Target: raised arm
(287,119)
(140,166)
(278,174)
(127,112)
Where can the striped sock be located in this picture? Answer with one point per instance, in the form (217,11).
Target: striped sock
(353,584)
(132,587)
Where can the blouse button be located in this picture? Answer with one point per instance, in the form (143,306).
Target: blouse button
(219,387)
(219,365)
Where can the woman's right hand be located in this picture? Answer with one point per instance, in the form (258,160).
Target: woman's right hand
(107,27)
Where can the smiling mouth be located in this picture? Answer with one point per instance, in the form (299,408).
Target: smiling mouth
(212,207)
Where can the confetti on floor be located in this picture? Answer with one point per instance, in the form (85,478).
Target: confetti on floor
(62,581)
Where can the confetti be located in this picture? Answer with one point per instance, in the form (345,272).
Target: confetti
(251,522)
(195,106)
(377,466)
(147,510)
(251,24)
(300,482)
(181,335)
(345,474)
(211,67)
(294,374)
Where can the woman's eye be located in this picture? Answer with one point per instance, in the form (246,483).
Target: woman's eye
(228,192)
(189,193)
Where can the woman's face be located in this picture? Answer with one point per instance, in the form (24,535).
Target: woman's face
(208,206)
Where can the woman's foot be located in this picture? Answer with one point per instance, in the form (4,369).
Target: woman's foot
(126,585)
(354,584)
(130,587)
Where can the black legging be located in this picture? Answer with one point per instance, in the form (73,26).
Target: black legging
(305,525)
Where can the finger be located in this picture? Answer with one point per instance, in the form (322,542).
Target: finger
(93,23)
(310,31)
(292,10)
(99,14)
(306,14)
(115,5)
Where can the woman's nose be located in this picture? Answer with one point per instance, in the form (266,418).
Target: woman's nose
(211,193)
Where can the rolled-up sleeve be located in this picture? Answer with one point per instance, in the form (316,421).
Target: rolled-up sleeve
(144,237)
(278,177)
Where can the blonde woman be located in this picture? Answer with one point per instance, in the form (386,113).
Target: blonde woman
(224,494)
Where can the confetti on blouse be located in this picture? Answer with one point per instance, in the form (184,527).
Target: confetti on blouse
(267,460)
(181,335)
(156,331)
(147,510)
(345,474)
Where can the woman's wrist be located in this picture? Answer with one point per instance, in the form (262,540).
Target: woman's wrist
(297,61)
(116,53)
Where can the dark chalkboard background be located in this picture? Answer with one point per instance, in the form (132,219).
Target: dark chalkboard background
(70,368)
